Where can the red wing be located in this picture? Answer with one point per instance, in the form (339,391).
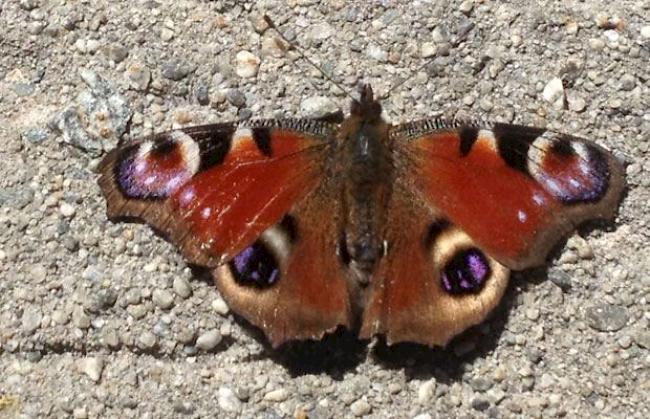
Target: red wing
(512,189)
(214,189)
(434,281)
(291,283)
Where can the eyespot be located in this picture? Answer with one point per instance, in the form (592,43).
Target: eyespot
(255,266)
(466,272)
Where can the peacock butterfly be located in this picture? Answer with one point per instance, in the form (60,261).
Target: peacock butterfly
(408,231)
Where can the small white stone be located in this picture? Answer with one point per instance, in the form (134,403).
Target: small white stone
(80,45)
(576,103)
(423,416)
(377,53)
(166,34)
(612,35)
(360,407)
(208,340)
(554,92)
(182,287)
(278,395)
(67,210)
(317,106)
(426,391)
(227,400)
(428,49)
(163,299)
(80,413)
(92,367)
(466,7)
(220,306)
(645,32)
(247,64)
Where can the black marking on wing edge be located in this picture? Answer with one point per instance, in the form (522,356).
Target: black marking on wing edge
(164,146)
(468,136)
(262,138)
(214,146)
(513,142)
(435,229)
(288,225)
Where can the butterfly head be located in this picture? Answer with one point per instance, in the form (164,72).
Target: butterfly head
(366,107)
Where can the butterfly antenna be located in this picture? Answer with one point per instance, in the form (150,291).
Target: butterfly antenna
(293,46)
(460,38)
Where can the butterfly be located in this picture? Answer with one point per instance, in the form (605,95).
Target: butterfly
(408,231)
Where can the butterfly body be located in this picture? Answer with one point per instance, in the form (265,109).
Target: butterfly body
(408,231)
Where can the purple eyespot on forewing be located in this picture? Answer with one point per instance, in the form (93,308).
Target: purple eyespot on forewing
(582,178)
(466,272)
(146,177)
(255,266)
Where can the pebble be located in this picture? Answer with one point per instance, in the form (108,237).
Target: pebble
(377,53)
(247,64)
(92,367)
(31,320)
(146,340)
(481,384)
(175,70)
(79,318)
(628,82)
(554,92)
(227,400)
(138,76)
(480,404)
(423,416)
(67,210)
(35,135)
(220,306)
(208,340)
(575,102)
(277,395)
(596,44)
(532,314)
(466,7)
(607,317)
(162,298)
(612,35)
(426,391)
(360,407)
(236,98)
(645,32)
(182,287)
(428,49)
(642,338)
(317,107)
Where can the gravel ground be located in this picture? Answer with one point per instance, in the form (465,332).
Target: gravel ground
(106,320)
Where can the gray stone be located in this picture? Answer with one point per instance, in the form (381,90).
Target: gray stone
(182,287)
(607,317)
(162,299)
(31,320)
(175,70)
(208,340)
(236,98)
